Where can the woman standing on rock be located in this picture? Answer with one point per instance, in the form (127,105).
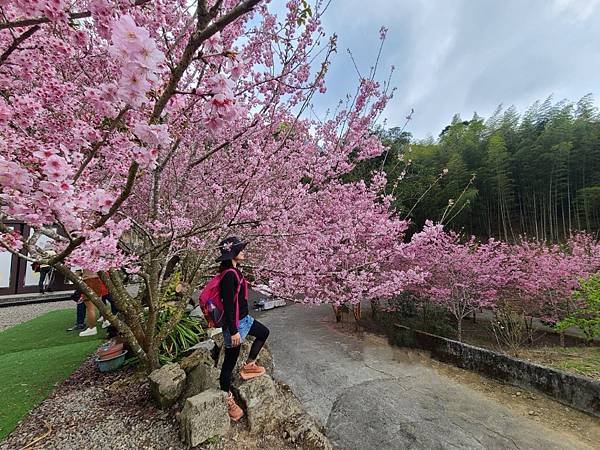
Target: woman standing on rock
(237,322)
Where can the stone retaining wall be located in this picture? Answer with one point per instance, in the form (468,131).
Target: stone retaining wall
(576,391)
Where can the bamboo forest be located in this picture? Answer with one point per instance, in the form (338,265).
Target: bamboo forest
(534,173)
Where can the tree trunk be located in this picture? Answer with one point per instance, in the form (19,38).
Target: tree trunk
(374,309)
(338,313)
(529,329)
(357,312)
(153,362)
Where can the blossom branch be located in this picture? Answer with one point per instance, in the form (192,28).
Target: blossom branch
(16,42)
(41,20)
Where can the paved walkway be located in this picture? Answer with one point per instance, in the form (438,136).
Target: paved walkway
(372,396)
(13,315)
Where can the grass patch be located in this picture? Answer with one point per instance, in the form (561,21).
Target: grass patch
(581,360)
(34,357)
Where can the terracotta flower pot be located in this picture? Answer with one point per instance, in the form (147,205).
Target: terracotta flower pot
(109,350)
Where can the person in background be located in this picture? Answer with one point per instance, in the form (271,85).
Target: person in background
(78,298)
(107,300)
(80,321)
(45,268)
(95,284)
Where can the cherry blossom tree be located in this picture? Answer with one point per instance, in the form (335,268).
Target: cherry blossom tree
(555,273)
(463,277)
(352,260)
(519,281)
(137,134)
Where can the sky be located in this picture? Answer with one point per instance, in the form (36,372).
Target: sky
(462,56)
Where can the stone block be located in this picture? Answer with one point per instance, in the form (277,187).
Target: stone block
(167,384)
(204,416)
(199,379)
(263,406)
(264,357)
(203,354)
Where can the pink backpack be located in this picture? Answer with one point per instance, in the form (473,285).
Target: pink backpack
(212,304)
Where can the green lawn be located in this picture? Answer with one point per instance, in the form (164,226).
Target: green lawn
(34,357)
(581,360)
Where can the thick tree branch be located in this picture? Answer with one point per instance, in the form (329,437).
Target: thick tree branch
(40,20)
(204,31)
(97,145)
(17,41)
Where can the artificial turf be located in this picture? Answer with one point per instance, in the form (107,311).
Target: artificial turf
(34,357)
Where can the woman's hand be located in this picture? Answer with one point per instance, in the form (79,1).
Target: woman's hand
(236,339)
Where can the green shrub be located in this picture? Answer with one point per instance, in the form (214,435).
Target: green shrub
(587,316)
(186,334)
(414,312)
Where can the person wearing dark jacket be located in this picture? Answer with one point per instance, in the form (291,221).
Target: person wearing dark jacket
(237,324)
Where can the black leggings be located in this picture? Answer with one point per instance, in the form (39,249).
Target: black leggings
(260,333)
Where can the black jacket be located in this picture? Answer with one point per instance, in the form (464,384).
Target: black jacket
(229,286)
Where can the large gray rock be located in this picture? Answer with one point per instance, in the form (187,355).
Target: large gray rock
(204,416)
(200,369)
(201,378)
(207,344)
(212,332)
(203,354)
(167,384)
(301,429)
(263,407)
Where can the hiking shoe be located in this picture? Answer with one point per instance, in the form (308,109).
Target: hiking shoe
(89,332)
(100,319)
(251,370)
(105,324)
(234,411)
(76,327)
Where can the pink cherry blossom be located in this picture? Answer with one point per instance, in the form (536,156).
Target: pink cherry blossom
(56,168)
(45,153)
(12,240)
(102,200)
(213,44)
(153,135)
(127,37)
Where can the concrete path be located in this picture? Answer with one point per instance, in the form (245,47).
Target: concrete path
(369,395)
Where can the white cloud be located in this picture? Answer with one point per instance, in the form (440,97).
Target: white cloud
(461,56)
(577,10)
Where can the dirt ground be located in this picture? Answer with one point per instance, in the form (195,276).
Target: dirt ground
(580,360)
(530,404)
(93,410)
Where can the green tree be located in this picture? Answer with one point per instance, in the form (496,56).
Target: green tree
(499,186)
(587,316)
(537,173)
